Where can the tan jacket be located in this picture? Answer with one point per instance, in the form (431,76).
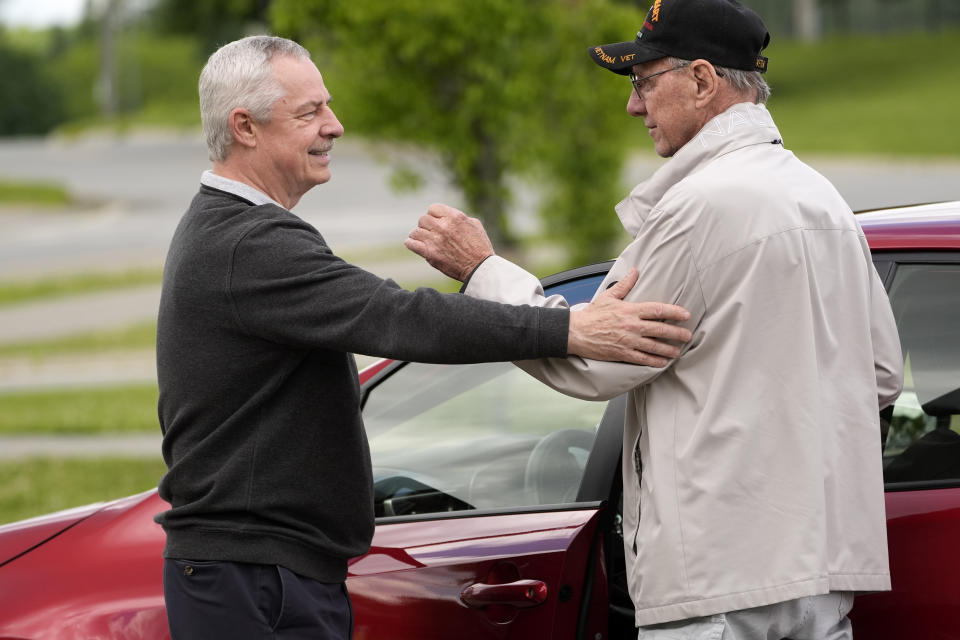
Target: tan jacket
(760,445)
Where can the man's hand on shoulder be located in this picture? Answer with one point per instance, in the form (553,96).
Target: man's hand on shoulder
(633,332)
(450,241)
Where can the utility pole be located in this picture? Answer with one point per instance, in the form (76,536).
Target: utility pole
(109,25)
(806,20)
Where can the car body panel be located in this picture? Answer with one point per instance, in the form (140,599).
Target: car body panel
(922,531)
(20,537)
(102,578)
(932,226)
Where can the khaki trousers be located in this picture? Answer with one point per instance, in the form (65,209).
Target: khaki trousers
(813,618)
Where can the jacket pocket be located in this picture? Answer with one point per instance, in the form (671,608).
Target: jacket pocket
(638,467)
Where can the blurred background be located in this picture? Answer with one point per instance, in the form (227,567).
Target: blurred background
(489,105)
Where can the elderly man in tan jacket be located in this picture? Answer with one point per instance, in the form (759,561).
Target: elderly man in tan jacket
(755,508)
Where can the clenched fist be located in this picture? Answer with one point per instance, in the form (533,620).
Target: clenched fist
(450,241)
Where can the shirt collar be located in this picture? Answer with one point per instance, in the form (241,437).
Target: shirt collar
(245,191)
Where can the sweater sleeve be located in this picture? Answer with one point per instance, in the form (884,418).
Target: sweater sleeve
(286,286)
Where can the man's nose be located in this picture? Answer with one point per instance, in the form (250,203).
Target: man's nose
(636,106)
(332,128)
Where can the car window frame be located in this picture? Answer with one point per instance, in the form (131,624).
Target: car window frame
(893,260)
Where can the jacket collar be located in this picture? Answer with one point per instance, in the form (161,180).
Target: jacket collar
(740,126)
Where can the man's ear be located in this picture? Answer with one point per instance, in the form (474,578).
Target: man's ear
(243,127)
(708,82)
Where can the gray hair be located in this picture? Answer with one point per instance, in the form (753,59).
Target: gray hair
(742,81)
(239,74)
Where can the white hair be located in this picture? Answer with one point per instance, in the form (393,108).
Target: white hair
(743,81)
(240,74)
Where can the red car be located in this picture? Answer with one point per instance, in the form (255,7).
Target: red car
(497,498)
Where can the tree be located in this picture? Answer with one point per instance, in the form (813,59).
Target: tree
(32,103)
(498,88)
(806,20)
(215,22)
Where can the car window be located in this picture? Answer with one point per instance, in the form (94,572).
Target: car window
(485,436)
(923,439)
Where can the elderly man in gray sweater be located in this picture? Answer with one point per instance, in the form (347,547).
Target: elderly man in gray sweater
(269,476)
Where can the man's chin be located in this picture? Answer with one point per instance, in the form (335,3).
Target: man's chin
(663,150)
(320,177)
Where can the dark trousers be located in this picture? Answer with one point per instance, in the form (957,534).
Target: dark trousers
(238,601)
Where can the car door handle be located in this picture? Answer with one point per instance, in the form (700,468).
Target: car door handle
(522,593)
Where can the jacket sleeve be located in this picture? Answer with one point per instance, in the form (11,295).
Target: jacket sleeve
(286,286)
(887,355)
(667,274)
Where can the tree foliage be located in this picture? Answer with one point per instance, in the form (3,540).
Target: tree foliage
(498,88)
(32,102)
(214,22)
(154,72)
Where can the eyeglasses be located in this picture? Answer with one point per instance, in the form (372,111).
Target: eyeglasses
(641,84)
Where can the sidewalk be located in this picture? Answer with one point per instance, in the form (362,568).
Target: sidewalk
(93,446)
(72,315)
(114,368)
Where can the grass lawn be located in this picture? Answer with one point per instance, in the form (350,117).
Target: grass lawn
(862,95)
(30,192)
(130,408)
(41,485)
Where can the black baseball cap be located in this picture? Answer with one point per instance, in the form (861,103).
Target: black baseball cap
(723,32)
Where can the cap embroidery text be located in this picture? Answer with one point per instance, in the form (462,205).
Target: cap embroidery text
(603,55)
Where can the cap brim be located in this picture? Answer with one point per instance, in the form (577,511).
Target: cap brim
(620,57)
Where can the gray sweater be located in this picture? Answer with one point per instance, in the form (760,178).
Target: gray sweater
(259,401)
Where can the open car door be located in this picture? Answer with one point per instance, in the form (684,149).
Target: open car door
(489,495)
